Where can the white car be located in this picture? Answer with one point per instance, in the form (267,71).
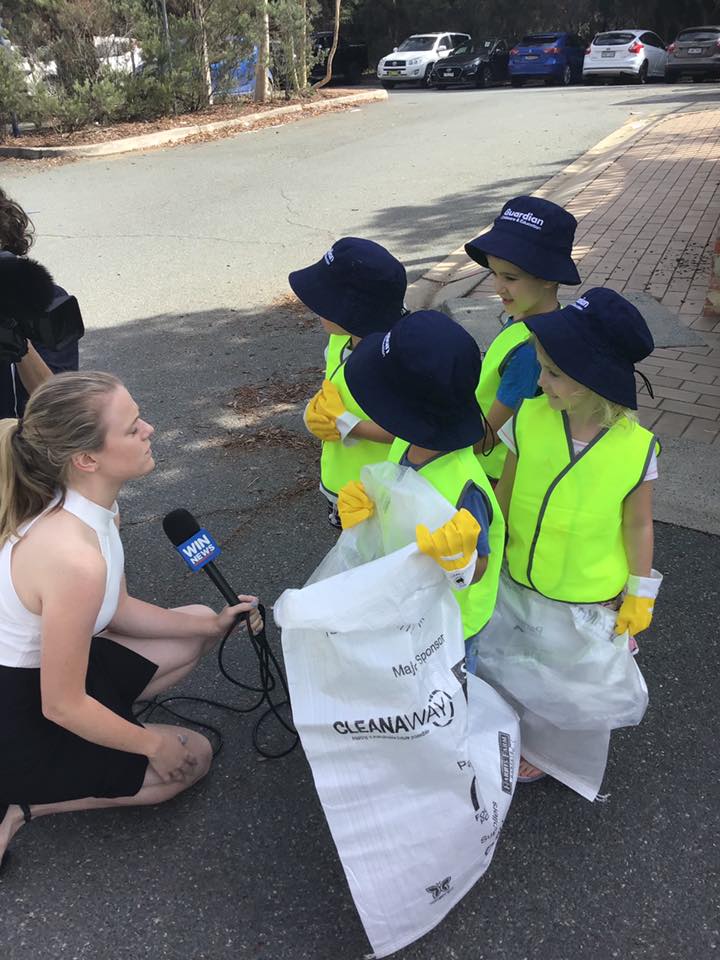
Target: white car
(120,54)
(639,54)
(414,59)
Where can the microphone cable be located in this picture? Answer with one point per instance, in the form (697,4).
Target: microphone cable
(270,678)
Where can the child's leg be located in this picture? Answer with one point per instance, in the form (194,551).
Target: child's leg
(333,515)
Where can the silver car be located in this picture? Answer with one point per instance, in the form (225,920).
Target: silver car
(695,53)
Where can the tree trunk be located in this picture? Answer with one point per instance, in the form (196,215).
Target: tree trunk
(261,68)
(328,67)
(302,62)
(204,58)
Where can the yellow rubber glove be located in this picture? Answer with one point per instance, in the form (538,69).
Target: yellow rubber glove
(328,401)
(453,546)
(635,614)
(354,505)
(317,418)
(322,411)
(321,427)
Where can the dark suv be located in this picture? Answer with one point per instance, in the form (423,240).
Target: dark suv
(695,53)
(349,62)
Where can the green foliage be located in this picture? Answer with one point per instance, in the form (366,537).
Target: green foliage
(176,56)
(292,55)
(13,89)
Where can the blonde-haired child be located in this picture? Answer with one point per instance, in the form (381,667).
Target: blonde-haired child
(576,487)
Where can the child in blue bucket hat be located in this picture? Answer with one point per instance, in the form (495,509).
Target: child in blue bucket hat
(356,288)
(576,487)
(529,252)
(418,383)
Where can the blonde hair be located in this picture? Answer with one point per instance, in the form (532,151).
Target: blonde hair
(609,413)
(64,416)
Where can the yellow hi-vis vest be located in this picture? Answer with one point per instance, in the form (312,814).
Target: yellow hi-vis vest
(565,535)
(451,474)
(339,464)
(493,366)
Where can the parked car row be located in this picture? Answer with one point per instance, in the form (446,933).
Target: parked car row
(447,59)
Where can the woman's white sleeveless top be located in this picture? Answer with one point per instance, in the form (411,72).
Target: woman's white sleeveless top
(21,630)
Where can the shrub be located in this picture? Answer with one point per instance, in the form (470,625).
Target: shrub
(13,88)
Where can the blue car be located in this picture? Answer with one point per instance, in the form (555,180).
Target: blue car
(236,78)
(552,57)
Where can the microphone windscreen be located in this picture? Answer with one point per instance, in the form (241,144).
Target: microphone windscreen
(180,525)
(26,288)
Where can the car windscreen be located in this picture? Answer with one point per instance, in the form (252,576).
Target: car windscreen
(537,39)
(613,39)
(418,43)
(699,36)
(467,48)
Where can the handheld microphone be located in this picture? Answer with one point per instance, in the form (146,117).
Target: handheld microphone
(199,551)
(197,548)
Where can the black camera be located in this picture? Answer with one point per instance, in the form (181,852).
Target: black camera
(33,308)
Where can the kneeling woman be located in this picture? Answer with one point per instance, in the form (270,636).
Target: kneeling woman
(75,650)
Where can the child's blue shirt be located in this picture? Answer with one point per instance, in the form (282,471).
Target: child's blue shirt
(519,380)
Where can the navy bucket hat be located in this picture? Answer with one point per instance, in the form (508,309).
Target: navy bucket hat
(357,284)
(534,234)
(418,381)
(597,341)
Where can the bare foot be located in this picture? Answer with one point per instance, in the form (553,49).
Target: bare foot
(10,825)
(528,772)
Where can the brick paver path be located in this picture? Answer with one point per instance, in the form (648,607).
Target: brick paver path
(649,223)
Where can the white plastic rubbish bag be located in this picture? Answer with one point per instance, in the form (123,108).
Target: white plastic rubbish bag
(571,679)
(415,768)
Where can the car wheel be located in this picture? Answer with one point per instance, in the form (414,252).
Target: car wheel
(427,79)
(388,84)
(483,78)
(567,76)
(700,78)
(516,83)
(642,76)
(670,77)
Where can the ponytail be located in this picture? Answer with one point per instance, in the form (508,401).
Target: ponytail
(63,417)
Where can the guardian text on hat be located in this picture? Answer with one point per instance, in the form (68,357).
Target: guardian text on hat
(535,235)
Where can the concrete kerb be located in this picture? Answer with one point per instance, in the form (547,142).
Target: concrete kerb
(457,275)
(177,134)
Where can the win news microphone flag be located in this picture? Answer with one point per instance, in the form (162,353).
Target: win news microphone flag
(197,548)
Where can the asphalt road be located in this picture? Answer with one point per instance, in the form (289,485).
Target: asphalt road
(177,257)
(219,225)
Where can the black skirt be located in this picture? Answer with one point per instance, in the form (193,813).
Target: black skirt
(42,762)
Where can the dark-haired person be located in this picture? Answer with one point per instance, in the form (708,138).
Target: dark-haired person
(19,379)
(76,651)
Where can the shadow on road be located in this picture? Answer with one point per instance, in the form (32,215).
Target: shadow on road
(243,867)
